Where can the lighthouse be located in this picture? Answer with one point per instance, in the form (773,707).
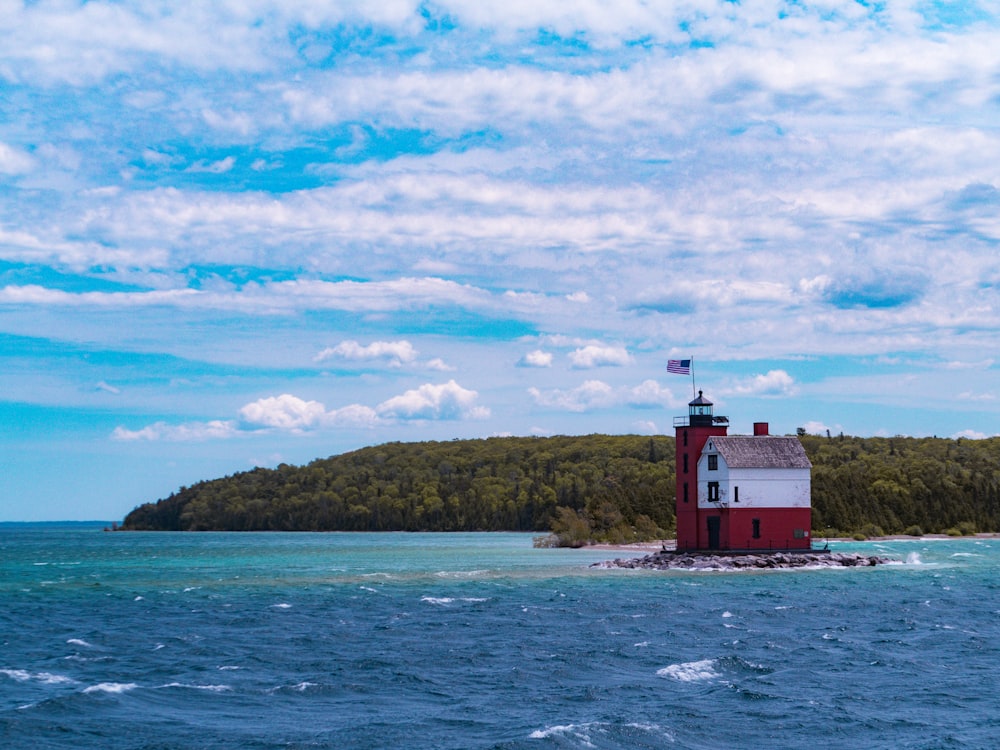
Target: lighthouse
(739,492)
(691,434)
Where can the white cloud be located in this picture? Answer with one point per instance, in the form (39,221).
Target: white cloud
(970,396)
(983,364)
(396,353)
(272,297)
(651,394)
(215,167)
(590,395)
(188,432)
(14,160)
(772,383)
(429,401)
(354,415)
(974,435)
(598,356)
(439,365)
(645,427)
(596,394)
(284,412)
(537,358)
(813,427)
(393,353)
(291,414)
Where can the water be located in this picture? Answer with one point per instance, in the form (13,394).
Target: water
(480,641)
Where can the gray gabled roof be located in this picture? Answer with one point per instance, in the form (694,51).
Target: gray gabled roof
(761,452)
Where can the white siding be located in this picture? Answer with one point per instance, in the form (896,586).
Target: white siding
(758,488)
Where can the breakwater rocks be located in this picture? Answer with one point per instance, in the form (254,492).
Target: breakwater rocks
(749,561)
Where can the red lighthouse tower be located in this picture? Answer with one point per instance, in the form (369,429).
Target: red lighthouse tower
(691,434)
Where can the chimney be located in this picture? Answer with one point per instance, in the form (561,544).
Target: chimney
(759,428)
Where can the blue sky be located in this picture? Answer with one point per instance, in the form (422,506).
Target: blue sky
(240,234)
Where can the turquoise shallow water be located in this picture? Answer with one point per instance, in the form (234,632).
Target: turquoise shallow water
(480,641)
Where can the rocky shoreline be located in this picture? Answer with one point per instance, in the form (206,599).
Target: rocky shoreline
(750,561)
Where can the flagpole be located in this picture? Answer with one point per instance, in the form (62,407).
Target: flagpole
(693,392)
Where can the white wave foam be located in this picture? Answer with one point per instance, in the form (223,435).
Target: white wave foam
(186,686)
(299,687)
(46,678)
(79,642)
(913,559)
(281,606)
(578,731)
(727,614)
(111,687)
(585,733)
(452,600)
(692,671)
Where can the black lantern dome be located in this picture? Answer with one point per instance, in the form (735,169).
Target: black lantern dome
(700,411)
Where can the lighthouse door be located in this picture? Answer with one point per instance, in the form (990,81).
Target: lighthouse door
(713,532)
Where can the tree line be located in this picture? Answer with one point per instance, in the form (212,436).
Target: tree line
(615,488)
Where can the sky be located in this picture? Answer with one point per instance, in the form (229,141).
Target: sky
(246,233)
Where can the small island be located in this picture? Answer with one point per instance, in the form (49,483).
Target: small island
(669,560)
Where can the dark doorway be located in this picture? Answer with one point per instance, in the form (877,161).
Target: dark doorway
(713,532)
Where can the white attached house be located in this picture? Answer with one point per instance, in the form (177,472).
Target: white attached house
(755,491)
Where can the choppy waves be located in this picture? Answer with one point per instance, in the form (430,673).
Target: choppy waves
(225,654)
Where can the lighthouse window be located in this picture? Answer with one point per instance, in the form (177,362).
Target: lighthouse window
(736,494)
(713,492)
(685,463)
(713,462)
(756,528)
(685,492)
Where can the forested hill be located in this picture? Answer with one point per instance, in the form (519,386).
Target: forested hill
(608,486)
(497,484)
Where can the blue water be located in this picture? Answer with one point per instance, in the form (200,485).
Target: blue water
(134,640)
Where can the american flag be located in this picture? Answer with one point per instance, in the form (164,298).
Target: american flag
(679,366)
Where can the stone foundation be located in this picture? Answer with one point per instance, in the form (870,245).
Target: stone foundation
(749,561)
